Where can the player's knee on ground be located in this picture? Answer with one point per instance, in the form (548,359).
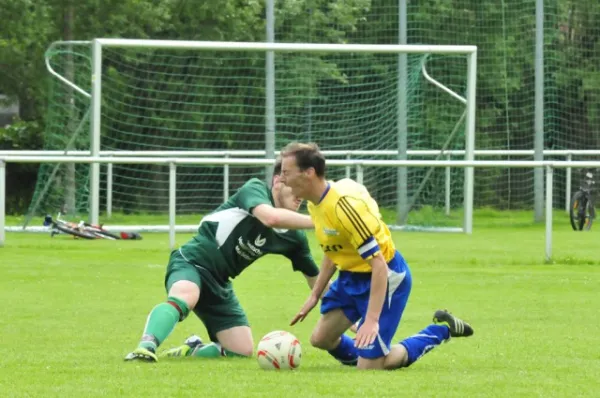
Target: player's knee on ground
(322,340)
(237,340)
(397,358)
(245,352)
(375,363)
(238,350)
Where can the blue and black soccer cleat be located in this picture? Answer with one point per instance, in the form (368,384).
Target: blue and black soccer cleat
(458,327)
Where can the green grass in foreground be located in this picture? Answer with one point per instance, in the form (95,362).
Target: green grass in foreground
(73,309)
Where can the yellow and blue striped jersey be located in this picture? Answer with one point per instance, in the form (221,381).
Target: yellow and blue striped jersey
(349,228)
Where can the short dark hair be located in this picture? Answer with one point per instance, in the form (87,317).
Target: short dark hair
(277,166)
(307,156)
(276,169)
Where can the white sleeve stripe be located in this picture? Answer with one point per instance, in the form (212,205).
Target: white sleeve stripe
(368,245)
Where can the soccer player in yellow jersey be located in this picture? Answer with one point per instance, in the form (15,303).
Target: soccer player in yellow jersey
(374,281)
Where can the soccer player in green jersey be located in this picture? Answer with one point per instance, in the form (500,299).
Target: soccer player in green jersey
(257,220)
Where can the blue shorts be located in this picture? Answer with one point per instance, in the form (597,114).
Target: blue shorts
(350,293)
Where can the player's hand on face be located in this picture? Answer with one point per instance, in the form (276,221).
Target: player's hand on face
(366,334)
(310,303)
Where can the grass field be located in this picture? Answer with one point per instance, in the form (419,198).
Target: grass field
(72,309)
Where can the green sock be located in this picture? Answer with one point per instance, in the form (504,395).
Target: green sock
(210,350)
(160,324)
(214,350)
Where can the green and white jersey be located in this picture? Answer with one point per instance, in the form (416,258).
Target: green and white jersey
(231,238)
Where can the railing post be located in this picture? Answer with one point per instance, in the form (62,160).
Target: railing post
(448,187)
(2,201)
(109,189)
(172,197)
(549,189)
(348,170)
(226,180)
(359,174)
(568,185)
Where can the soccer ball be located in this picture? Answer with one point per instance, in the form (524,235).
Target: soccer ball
(279,350)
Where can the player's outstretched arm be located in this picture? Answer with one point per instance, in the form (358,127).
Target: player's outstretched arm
(322,281)
(325,274)
(312,280)
(274,217)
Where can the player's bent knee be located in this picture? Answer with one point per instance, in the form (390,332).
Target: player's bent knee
(397,358)
(237,340)
(186,291)
(316,341)
(330,327)
(320,340)
(365,363)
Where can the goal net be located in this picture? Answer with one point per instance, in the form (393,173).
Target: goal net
(180,102)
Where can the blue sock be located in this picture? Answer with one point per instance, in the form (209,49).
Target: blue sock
(424,341)
(345,352)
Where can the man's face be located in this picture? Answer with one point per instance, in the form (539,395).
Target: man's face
(292,176)
(285,198)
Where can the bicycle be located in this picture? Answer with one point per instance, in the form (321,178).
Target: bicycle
(79,230)
(581,209)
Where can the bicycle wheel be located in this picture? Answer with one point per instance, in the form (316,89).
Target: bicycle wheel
(100,232)
(591,214)
(67,229)
(579,212)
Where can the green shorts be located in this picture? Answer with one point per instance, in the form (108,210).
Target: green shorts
(218,308)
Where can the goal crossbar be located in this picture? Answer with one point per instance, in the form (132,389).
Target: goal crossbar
(292,47)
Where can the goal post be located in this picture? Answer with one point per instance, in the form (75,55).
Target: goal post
(193,95)
(469,51)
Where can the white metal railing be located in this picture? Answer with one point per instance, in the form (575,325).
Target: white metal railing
(348,154)
(241,153)
(359,164)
